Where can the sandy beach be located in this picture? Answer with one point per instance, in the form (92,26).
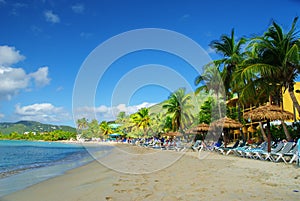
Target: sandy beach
(135,173)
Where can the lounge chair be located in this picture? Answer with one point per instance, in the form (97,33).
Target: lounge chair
(292,154)
(280,155)
(224,150)
(264,155)
(197,145)
(252,152)
(239,150)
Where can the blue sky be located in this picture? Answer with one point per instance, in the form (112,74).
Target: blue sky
(45,43)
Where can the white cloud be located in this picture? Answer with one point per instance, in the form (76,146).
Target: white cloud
(41,77)
(42,112)
(15,79)
(108,113)
(12,81)
(2,116)
(78,8)
(51,17)
(9,55)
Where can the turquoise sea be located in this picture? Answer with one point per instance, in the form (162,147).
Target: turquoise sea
(24,163)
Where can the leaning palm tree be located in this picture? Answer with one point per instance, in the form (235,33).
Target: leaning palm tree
(141,120)
(178,105)
(232,56)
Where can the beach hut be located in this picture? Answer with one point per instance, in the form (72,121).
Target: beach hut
(268,113)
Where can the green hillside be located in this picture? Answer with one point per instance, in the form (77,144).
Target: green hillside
(31,126)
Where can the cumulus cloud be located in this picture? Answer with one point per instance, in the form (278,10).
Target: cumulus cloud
(12,81)
(108,113)
(51,17)
(78,8)
(2,116)
(15,79)
(9,55)
(42,112)
(41,77)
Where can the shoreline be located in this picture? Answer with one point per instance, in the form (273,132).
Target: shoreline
(215,177)
(17,179)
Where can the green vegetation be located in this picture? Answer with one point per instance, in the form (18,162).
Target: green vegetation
(46,136)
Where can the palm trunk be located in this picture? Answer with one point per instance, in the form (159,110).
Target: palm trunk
(263,132)
(294,99)
(286,132)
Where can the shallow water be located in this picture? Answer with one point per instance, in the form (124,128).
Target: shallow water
(24,163)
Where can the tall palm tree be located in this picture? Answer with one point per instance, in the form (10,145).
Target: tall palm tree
(232,56)
(141,119)
(179,105)
(278,56)
(274,63)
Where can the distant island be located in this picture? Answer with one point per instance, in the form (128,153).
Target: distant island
(32,130)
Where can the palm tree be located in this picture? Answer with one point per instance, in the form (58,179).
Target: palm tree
(81,124)
(230,49)
(274,64)
(105,128)
(211,81)
(179,105)
(141,119)
(93,129)
(278,53)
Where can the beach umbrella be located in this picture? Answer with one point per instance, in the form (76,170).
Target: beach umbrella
(226,123)
(268,113)
(200,128)
(172,134)
(203,127)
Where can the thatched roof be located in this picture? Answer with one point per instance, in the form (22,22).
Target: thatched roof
(226,123)
(172,134)
(268,112)
(203,127)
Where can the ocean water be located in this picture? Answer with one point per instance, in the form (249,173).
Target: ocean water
(24,163)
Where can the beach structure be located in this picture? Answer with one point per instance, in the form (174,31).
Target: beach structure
(268,113)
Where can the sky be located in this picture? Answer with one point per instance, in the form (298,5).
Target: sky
(61,60)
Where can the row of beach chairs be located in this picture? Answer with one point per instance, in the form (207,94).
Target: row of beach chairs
(287,152)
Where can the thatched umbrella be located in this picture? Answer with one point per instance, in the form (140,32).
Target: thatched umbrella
(268,113)
(172,134)
(226,123)
(200,129)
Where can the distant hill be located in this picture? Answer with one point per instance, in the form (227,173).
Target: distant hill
(31,126)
